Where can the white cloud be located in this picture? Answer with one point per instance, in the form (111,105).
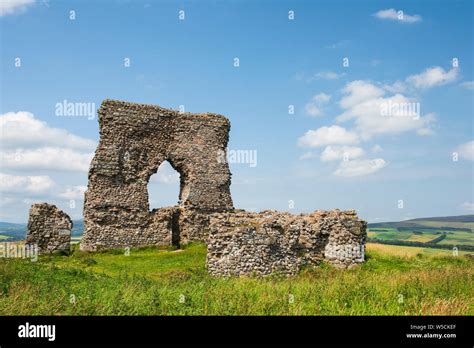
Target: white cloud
(166,174)
(397,15)
(360,167)
(425,131)
(469,206)
(25,184)
(375,114)
(359,91)
(396,87)
(376,148)
(434,76)
(328,75)
(75,192)
(323,136)
(11,6)
(314,107)
(468,85)
(30,144)
(335,153)
(22,129)
(466,150)
(46,158)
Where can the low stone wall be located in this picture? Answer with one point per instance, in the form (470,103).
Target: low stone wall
(245,243)
(49,228)
(161,227)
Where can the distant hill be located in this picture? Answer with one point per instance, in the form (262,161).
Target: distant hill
(434,232)
(453,223)
(459,218)
(450,223)
(18,231)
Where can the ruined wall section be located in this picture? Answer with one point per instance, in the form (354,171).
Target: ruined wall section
(49,228)
(134,140)
(243,243)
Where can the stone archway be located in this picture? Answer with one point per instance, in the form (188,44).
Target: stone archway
(134,140)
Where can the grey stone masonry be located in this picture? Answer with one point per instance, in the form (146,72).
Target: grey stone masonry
(244,243)
(134,140)
(49,228)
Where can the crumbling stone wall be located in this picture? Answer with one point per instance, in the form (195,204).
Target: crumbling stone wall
(244,243)
(49,228)
(134,140)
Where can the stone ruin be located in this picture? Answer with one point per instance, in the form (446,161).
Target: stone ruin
(246,243)
(136,138)
(49,229)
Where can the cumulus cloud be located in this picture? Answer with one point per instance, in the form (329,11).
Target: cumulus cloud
(376,109)
(375,114)
(22,129)
(166,174)
(314,107)
(434,76)
(14,6)
(333,135)
(360,167)
(25,184)
(397,15)
(46,158)
(357,92)
(75,192)
(466,150)
(376,148)
(28,143)
(335,153)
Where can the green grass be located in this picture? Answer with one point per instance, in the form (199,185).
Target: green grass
(167,282)
(3,237)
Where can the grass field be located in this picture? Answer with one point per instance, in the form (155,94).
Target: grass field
(153,281)
(2,237)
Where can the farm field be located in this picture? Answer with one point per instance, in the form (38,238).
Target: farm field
(447,232)
(425,236)
(409,251)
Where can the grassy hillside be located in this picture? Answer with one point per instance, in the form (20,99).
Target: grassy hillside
(153,281)
(442,232)
(455,222)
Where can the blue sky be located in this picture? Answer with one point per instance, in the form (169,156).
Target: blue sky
(335,151)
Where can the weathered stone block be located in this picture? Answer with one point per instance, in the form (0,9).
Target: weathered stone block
(244,243)
(49,228)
